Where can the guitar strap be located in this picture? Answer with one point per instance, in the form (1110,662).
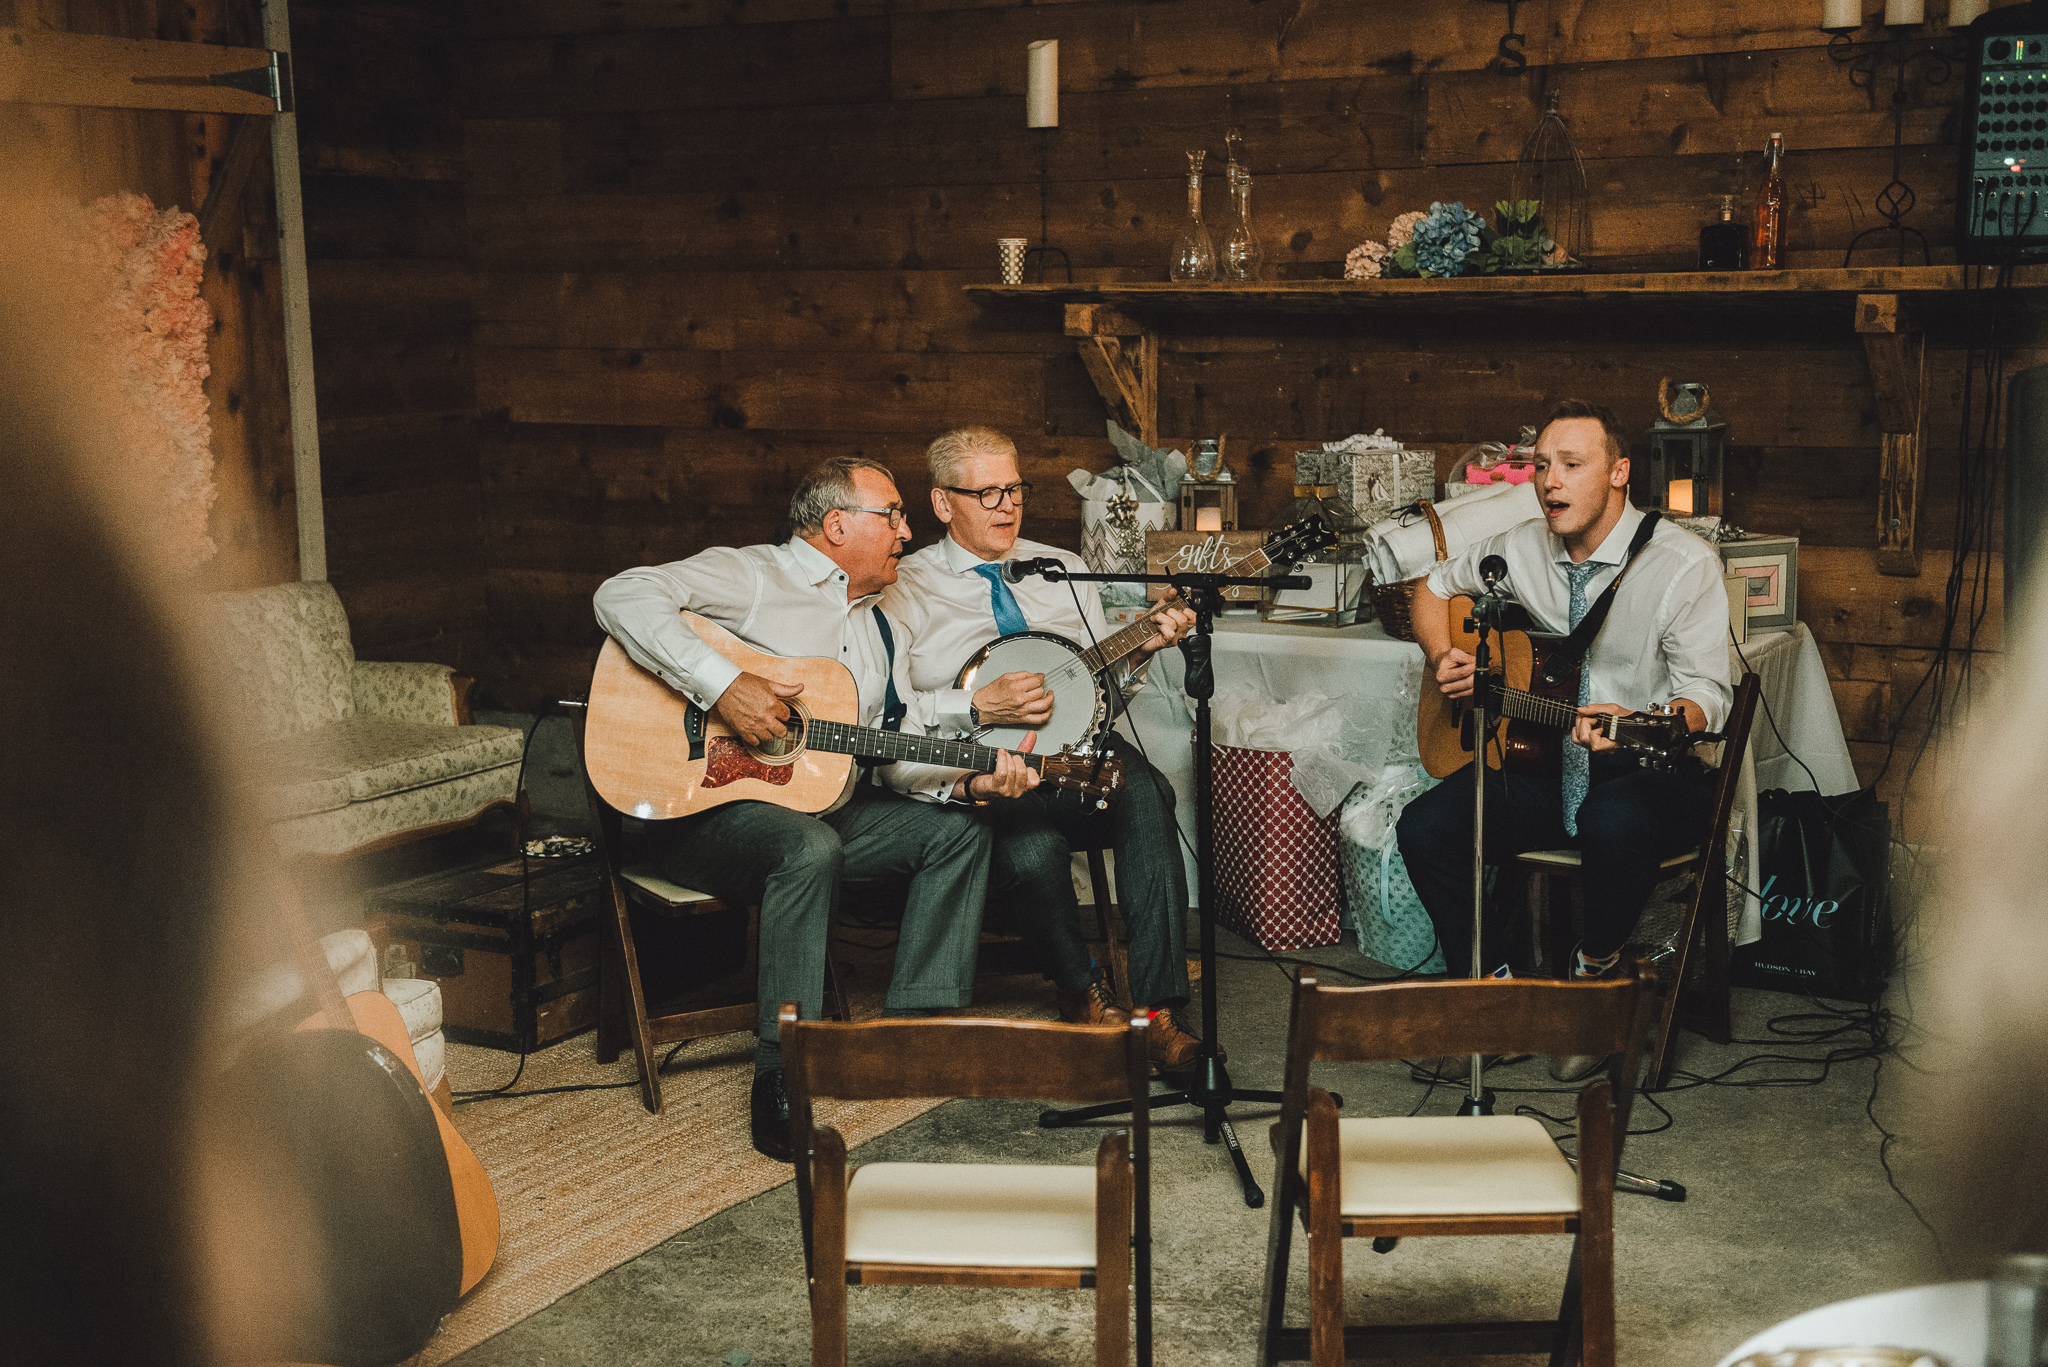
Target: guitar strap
(1566,656)
(893,708)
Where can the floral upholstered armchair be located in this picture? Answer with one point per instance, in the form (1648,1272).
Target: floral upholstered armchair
(356,754)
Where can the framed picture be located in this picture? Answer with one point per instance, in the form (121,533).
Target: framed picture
(1201,553)
(1770,564)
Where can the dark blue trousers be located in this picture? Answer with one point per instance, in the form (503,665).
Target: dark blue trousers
(1633,819)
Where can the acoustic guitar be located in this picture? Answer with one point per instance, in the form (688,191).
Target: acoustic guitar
(1535,720)
(653,754)
(1074,675)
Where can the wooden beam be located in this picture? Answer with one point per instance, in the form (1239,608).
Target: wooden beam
(298,318)
(1896,352)
(1122,357)
(40,66)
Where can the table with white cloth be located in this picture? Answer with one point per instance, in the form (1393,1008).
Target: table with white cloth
(1284,660)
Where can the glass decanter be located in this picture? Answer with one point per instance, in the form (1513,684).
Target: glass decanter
(1241,254)
(1194,255)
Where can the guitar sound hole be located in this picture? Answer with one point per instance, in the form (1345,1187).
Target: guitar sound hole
(777,749)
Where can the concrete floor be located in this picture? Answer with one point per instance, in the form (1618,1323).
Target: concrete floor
(1788,1209)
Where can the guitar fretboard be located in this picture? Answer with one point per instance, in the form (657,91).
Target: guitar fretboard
(1525,706)
(872,742)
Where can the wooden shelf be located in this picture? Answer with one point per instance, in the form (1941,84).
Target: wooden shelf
(1724,289)
(1116,329)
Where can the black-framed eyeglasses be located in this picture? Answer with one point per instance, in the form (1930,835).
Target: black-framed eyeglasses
(993,496)
(895,515)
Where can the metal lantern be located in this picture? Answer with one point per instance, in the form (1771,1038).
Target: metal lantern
(1687,466)
(1208,494)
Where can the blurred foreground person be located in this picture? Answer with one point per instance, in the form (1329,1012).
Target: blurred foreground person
(155,1195)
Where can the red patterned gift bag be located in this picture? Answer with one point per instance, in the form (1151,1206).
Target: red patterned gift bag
(1277,871)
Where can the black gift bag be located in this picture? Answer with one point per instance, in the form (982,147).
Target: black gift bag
(1822,865)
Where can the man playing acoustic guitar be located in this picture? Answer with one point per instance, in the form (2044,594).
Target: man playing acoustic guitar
(816,595)
(954,600)
(1663,644)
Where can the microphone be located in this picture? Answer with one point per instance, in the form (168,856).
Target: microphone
(1015,570)
(1493,569)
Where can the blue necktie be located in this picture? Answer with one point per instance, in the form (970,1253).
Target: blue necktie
(1577,759)
(1001,601)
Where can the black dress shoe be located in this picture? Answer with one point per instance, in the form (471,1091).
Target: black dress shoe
(771,1116)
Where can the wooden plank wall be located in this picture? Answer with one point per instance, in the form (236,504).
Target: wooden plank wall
(710,242)
(172,158)
(380,148)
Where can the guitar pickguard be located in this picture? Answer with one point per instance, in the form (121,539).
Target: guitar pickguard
(728,761)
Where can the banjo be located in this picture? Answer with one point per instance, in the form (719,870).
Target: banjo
(1074,674)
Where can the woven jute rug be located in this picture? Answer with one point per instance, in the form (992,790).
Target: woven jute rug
(589,1180)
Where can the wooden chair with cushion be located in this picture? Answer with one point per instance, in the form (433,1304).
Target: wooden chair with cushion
(972,1224)
(1412,1176)
(1698,948)
(693,920)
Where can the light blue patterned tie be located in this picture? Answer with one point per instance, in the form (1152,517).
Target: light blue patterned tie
(1009,618)
(1577,759)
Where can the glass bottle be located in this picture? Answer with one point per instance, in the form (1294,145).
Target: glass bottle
(1767,227)
(1241,254)
(1194,255)
(1722,244)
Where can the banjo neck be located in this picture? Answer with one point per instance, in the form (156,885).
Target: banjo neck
(1107,652)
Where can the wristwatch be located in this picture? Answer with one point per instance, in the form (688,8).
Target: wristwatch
(973,716)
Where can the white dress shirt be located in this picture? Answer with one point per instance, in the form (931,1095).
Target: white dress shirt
(1666,636)
(787,600)
(947,608)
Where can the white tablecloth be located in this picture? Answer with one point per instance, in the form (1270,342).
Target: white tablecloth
(1950,1319)
(1364,663)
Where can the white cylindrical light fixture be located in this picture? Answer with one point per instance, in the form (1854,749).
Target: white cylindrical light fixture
(1840,14)
(1042,89)
(1963,13)
(1904,13)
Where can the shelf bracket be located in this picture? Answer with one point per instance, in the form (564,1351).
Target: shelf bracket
(1122,356)
(1896,352)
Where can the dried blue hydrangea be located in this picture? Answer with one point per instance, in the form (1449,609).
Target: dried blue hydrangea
(1446,237)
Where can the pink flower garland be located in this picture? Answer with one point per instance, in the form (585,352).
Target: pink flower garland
(153,325)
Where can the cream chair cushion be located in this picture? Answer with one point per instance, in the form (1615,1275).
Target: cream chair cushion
(649,880)
(971,1214)
(1451,1165)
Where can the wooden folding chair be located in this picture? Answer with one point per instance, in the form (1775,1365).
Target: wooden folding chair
(1406,1177)
(1702,937)
(624,1017)
(973,1224)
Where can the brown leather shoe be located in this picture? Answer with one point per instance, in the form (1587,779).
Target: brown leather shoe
(1171,1045)
(1093,1005)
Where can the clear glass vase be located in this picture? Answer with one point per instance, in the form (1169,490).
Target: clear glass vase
(1241,255)
(1194,255)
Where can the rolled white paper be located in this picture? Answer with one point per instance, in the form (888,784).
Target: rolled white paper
(1042,92)
(1900,13)
(1962,13)
(1842,14)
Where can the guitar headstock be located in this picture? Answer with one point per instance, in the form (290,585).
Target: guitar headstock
(1657,740)
(1098,776)
(1297,541)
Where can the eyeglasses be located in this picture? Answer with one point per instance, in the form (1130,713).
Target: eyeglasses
(895,515)
(993,496)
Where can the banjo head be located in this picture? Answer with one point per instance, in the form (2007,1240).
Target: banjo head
(1078,704)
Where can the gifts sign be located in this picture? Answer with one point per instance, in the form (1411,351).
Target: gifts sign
(1203,553)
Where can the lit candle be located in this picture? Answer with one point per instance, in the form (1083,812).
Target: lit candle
(1962,13)
(1842,14)
(1042,90)
(1678,497)
(1208,519)
(1900,13)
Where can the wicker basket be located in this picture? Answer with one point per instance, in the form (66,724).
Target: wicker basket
(1392,603)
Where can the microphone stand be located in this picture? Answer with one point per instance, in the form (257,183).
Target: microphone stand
(1486,616)
(1209,1088)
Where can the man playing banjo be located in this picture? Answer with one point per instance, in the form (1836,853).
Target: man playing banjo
(953,600)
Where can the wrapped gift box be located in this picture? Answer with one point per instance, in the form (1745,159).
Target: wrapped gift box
(1277,867)
(1373,483)
(1771,564)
